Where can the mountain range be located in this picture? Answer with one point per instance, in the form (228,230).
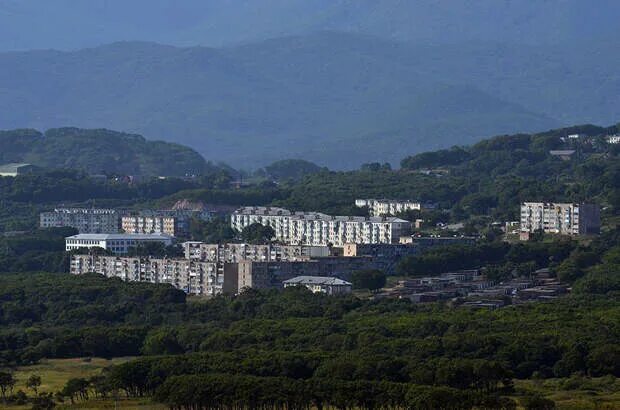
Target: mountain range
(386,79)
(74,24)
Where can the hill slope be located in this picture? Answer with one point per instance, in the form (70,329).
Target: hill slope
(98,151)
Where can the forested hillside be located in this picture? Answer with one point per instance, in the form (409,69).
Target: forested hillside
(100,151)
(489,179)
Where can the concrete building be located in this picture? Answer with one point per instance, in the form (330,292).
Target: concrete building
(321,284)
(151,224)
(559,218)
(118,244)
(193,277)
(313,228)
(613,139)
(15,169)
(235,252)
(253,274)
(85,220)
(382,207)
(174,222)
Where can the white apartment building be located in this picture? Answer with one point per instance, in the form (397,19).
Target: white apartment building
(85,220)
(613,139)
(559,218)
(118,244)
(381,207)
(313,228)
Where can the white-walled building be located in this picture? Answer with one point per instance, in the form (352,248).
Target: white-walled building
(381,207)
(118,244)
(560,218)
(613,139)
(85,220)
(321,284)
(313,228)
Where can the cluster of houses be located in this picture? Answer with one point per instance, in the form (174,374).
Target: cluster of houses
(470,288)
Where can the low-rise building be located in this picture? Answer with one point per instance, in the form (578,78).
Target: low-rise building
(85,220)
(119,244)
(559,218)
(15,169)
(382,207)
(321,284)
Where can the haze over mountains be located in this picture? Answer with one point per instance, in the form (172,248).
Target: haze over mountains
(394,78)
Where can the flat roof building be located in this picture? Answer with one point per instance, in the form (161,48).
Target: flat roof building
(321,284)
(119,244)
(314,228)
(85,220)
(15,169)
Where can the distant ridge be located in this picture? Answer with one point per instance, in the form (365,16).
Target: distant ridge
(100,151)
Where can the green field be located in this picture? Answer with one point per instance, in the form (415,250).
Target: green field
(55,373)
(575,393)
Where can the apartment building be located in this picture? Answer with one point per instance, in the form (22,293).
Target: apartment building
(235,252)
(613,139)
(173,222)
(314,228)
(152,224)
(85,220)
(119,244)
(193,277)
(210,278)
(559,218)
(382,207)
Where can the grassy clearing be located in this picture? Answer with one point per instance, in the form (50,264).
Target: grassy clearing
(577,392)
(55,373)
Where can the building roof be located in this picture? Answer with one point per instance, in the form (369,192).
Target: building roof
(121,236)
(562,152)
(316,280)
(13,167)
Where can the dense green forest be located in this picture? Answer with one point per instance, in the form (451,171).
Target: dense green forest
(100,151)
(287,342)
(489,179)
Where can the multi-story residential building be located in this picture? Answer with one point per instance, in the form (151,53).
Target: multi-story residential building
(559,218)
(321,284)
(118,244)
(173,222)
(235,252)
(152,224)
(313,228)
(193,277)
(382,207)
(85,220)
(211,278)
(613,139)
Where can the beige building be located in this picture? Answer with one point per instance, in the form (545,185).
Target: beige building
(313,228)
(559,218)
(151,224)
(382,207)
